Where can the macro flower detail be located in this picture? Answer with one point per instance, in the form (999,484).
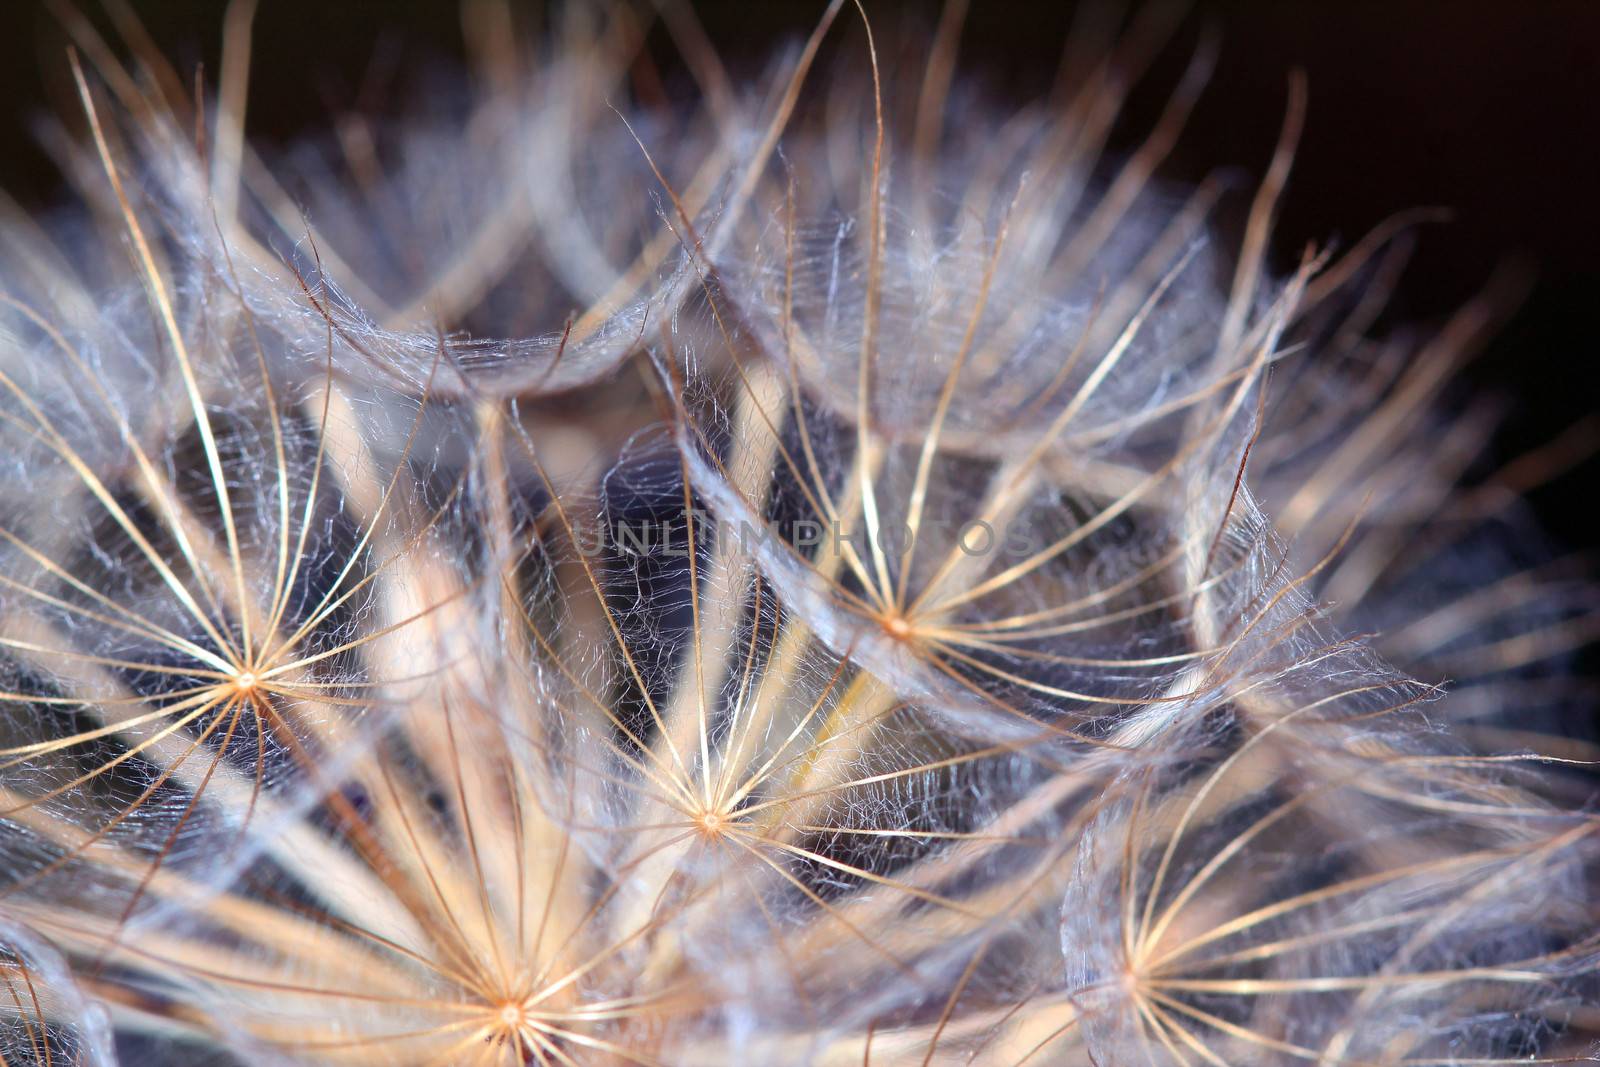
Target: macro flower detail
(822,569)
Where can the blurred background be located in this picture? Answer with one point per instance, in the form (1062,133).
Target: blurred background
(1488,108)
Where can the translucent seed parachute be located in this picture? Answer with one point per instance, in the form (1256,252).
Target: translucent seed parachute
(841,573)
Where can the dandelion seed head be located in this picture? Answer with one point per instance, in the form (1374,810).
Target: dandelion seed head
(821,575)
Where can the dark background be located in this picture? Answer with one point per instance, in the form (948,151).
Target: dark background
(1490,109)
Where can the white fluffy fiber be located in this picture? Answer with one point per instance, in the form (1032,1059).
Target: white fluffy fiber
(507,584)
